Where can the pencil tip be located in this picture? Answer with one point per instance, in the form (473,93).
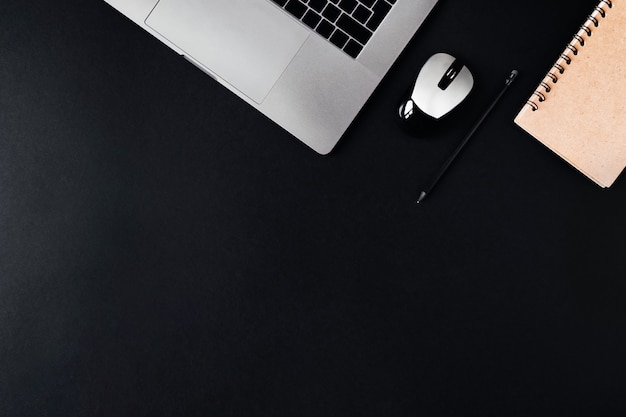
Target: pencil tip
(422,197)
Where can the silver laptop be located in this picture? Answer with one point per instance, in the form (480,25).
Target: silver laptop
(309,65)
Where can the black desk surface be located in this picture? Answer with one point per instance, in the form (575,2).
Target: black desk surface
(167,251)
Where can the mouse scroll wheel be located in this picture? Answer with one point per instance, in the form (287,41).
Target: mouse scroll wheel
(450,74)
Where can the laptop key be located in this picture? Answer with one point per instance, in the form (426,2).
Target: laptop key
(339,38)
(354,28)
(317,5)
(353,48)
(296,8)
(325,28)
(380,9)
(331,12)
(347,6)
(311,19)
(361,14)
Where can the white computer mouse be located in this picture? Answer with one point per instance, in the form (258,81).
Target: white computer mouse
(441,85)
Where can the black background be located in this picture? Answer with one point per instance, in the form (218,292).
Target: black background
(165,250)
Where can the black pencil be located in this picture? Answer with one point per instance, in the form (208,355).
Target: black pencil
(467,137)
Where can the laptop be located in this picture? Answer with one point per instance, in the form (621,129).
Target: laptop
(308,65)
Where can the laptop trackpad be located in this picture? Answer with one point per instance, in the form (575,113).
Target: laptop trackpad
(247,43)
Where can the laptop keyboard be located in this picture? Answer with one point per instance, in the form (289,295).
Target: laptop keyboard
(348,24)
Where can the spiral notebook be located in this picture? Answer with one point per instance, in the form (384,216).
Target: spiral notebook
(579,108)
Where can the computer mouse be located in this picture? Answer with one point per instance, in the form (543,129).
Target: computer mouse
(441,85)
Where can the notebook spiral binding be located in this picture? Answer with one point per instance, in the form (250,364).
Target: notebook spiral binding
(566,59)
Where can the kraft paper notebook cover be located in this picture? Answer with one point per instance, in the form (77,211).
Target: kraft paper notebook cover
(579,109)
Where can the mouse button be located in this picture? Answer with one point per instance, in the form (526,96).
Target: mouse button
(431,73)
(450,75)
(464,82)
(437,103)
